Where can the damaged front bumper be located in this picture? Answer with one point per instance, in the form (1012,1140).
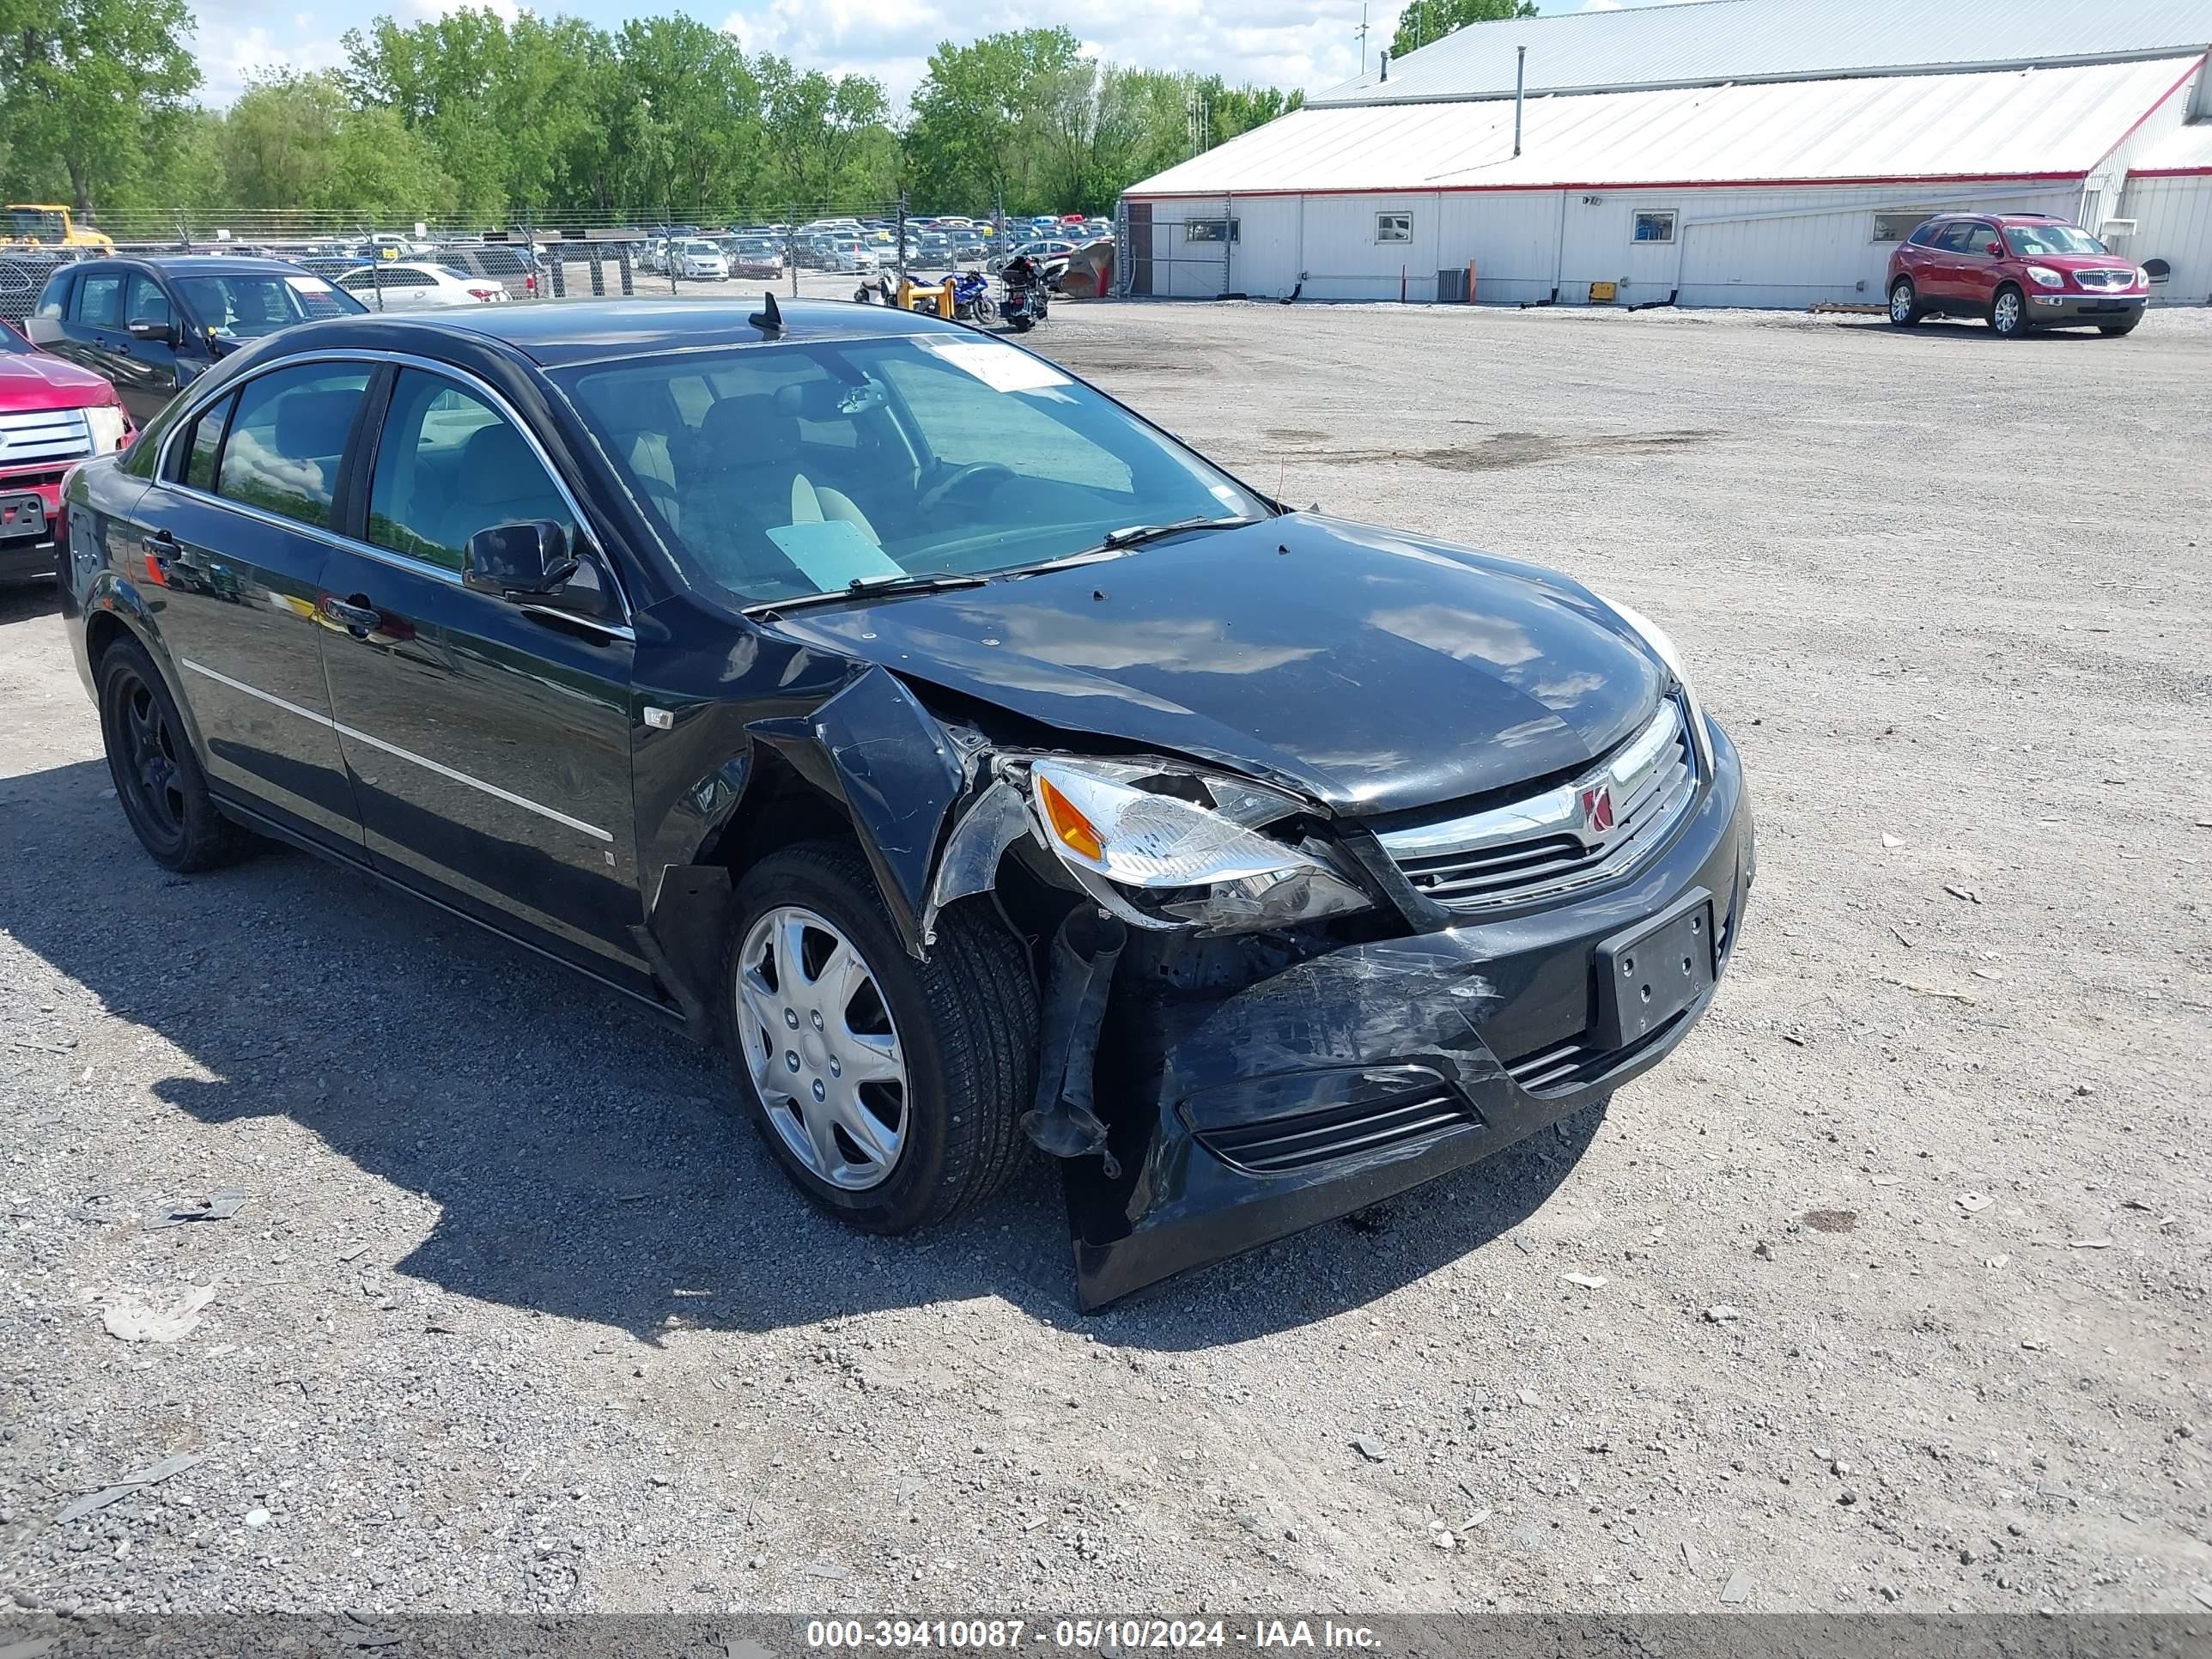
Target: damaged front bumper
(1238,1117)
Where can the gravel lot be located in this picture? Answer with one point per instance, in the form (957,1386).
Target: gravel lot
(1904,1255)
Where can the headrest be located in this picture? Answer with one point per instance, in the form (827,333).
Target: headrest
(314,423)
(498,463)
(749,431)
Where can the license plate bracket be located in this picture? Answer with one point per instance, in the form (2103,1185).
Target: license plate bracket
(1653,972)
(22,514)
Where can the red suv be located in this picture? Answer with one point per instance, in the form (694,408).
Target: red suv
(52,415)
(2021,271)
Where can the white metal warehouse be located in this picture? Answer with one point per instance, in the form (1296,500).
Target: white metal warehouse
(1730,152)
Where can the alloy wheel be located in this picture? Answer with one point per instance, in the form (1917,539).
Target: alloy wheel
(150,769)
(822,1048)
(2007,315)
(1900,304)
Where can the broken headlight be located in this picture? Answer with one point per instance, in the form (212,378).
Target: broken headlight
(1164,847)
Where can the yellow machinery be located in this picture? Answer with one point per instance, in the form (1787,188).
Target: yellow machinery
(924,296)
(34,224)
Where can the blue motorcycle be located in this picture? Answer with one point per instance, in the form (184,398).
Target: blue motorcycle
(971,296)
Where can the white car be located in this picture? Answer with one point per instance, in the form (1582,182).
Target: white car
(851,256)
(407,285)
(697,260)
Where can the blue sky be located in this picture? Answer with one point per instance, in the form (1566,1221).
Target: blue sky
(1311,44)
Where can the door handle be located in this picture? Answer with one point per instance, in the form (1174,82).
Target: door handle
(361,619)
(161,544)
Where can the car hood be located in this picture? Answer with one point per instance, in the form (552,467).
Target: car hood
(33,381)
(1370,670)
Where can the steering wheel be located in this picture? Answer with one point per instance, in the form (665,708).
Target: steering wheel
(961,476)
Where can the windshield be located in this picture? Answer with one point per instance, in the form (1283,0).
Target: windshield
(2029,240)
(787,470)
(246,307)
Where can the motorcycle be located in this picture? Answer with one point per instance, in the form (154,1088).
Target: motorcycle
(971,296)
(1024,304)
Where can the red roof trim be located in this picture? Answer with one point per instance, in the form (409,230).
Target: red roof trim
(1919,181)
(2187,75)
(2169,172)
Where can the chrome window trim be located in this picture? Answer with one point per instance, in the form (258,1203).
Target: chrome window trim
(474,383)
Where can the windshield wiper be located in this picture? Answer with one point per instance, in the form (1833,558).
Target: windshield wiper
(862,588)
(1128,536)
(1135,535)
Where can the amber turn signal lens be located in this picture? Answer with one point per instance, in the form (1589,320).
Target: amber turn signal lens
(1068,823)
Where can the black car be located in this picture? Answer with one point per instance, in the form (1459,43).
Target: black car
(978,765)
(153,326)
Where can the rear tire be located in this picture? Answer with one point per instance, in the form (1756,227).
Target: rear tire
(1904,303)
(964,1025)
(2008,313)
(158,780)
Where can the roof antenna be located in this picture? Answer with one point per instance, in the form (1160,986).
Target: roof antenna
(768,319)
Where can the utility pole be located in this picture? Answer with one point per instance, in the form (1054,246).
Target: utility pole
(1362,32)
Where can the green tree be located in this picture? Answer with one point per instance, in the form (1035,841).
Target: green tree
(300,141)
(969,142)
(822,134)
(704,97)
(82,84)
(1427,21)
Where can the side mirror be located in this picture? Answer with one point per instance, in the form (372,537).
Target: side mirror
(523,561)
(162,332)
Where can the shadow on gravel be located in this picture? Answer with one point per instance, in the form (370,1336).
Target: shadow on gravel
(26,601)
(578,1150)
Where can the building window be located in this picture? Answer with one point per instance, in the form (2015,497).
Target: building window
(1394,227)
(1209,230)
(1655,227)
(1899,223)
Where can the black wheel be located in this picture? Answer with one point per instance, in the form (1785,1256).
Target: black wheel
(157,777)
(2008,313)
(889,1090)
(2113,330)
(1023,323)
(1904,303)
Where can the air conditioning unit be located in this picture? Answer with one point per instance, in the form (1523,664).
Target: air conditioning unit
(2112,229)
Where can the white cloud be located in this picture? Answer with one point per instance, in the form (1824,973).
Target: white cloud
(231,50)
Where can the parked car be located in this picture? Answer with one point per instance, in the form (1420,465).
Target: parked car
(758,257)
(153,326)
(2018,270)
(1375,854)
(847,256)
(52,416)
(697,260)
(515,266)
(414,285)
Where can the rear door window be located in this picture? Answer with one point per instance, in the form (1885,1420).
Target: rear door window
(287,439)
(99,299)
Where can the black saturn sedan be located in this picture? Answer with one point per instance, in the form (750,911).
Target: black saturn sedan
(984,769)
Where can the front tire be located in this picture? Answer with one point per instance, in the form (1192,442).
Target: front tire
(1904,303)
(158,779)
(2008,313)
(889,1090)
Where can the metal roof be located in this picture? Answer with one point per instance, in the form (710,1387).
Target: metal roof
(1712,41)
(2011,124)
(2186,150)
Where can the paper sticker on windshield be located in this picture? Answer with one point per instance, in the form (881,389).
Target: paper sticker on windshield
(832,553)
(998,367)
(308,284)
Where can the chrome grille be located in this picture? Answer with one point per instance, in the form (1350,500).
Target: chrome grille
(43,436)
(2104,281)
(1531,849)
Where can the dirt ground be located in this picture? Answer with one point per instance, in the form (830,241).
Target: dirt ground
(1903,1255)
